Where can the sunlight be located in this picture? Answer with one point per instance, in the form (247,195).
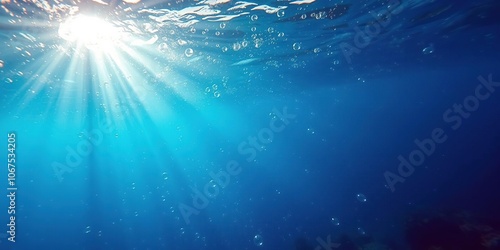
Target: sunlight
(91,32)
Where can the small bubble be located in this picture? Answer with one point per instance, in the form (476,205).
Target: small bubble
(254,17)
(217,94)
(222,25)
(236,46)
(224,49)
(361,231)
(214,87)
(207,89)
(321,15)
(281,34)
(217,33)
(244,44)
(192,30)
(304,16)
(164,175)
(1,64)
(317,50)
(189,52)
(257,240)
(270,29)
(335,221)
(162,47)
(87,230)
(253,29)
(181,42)
(429,49)
(258,43)
(296,46)
(280,13)
(361,197)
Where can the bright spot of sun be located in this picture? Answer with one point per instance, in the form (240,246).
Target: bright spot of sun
(89,31)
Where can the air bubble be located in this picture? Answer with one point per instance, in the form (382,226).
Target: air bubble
(236,46)
(254,17)
(162,47)
(361,197)
(280,13)
(296,46)
(257,240)
(189,52)
(429,49)
(335,221)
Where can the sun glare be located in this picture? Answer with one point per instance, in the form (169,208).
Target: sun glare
(91,32)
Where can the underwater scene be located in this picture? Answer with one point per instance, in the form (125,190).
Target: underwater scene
(250,125)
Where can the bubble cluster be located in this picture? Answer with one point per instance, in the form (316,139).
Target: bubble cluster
(215,88)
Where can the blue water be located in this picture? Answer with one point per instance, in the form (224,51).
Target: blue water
(218,125)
